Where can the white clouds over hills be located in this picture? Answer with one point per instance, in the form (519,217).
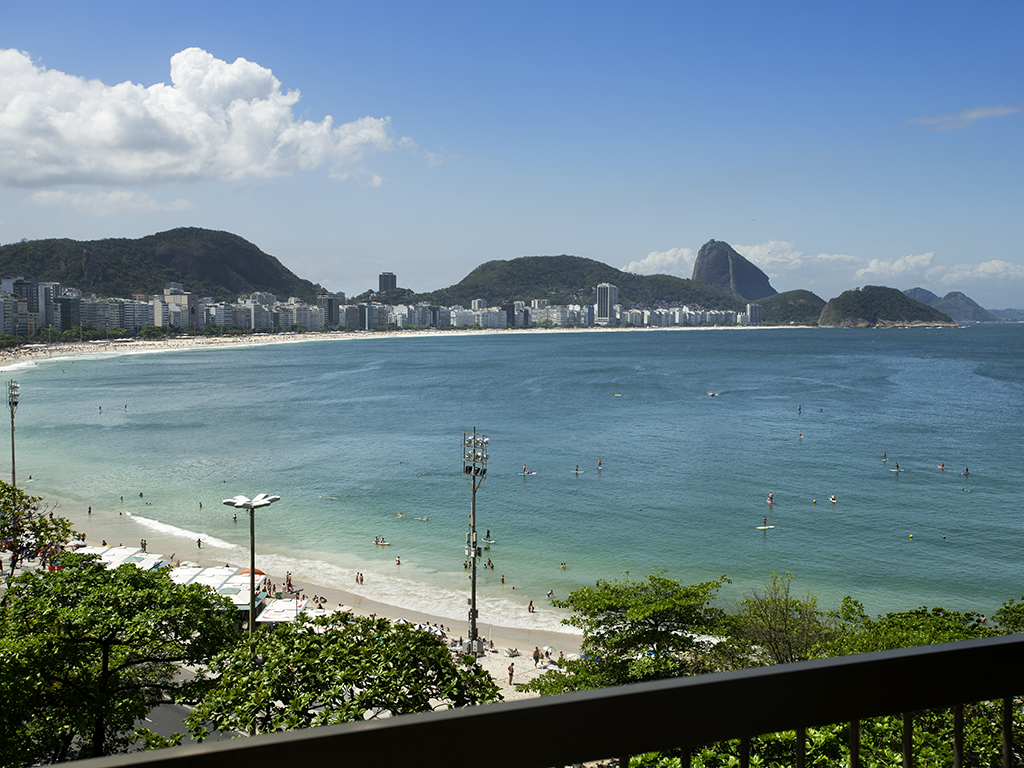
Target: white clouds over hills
(217,120)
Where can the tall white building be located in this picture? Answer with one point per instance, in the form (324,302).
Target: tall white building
(607,298)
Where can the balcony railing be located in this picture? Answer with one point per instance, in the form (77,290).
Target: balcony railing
(646,717)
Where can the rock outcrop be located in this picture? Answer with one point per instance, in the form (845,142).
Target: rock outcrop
(720,266)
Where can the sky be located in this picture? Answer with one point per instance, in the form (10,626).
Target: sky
(834,145)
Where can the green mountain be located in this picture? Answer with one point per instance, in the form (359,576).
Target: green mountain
(877,306)
(573,280)
(791,308)
(206,262)
(957,305)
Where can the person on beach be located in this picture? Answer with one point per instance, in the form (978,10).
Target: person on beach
(511,670)
(529,608)
(536,656)
(199,543)
(398,561)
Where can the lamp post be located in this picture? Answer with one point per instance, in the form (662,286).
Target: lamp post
(13,393)
(242,502)
(474,471)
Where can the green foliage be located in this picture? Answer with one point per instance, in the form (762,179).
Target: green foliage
(86,651)
(791,308)
(637,630)
(874,304)
(206,262)
(30,528)
(1010,617)
(333,669)
(858,633)
(781,627)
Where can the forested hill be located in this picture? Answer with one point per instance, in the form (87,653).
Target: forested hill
(206,262)
(572,280)
(878,306)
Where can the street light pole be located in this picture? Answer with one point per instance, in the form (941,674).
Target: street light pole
(474,471)
(13,394)
(243,502)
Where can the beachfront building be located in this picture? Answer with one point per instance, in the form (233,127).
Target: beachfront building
(175,295)
(754,314)
(607,299)
(387,282)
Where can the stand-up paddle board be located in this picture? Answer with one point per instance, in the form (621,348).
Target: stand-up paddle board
(524,474)
(577,471)
(764,527)
(766,501)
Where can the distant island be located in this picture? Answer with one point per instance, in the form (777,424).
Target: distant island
(220,268)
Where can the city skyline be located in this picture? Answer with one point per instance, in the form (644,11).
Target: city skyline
(833,147)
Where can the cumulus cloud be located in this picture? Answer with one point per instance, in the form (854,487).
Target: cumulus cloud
(782,254)
(964,117)
(216,120)
(989,271)
(904,266)
(105,203)
(676,261)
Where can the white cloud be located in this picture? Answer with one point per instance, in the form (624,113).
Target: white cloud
(990,271)
(105,203)
(676,261)
(781,254)
(904,266)
(216,120)
(964,117)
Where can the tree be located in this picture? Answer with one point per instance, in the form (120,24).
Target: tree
(29,528)
(781,627)
(638,630)
(85,652)
(858,633)
(333,669)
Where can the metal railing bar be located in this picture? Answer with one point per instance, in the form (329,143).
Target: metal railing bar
(646,717)
(958,736)
(908,740)
(855,744)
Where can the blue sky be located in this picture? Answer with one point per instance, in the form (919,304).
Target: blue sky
(835,145)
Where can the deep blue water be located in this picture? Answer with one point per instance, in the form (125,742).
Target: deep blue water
(349,433)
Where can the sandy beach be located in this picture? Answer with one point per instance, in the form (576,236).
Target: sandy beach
(119,529)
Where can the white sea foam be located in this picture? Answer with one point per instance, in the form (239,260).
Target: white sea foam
(173,530)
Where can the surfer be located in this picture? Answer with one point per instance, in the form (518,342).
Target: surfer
(524,469)
(884,456)
(599,464)
(942,465)
(832,498)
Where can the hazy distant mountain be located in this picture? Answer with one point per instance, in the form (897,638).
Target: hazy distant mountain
(206,262)
(921,294)
(955,304)
(791,308)
(720,266)
(1014,315)
(877,306)
(572,280)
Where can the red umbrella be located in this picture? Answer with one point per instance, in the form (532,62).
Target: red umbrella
(258,572)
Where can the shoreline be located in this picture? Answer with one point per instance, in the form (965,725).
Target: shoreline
(28,356)
(105,525)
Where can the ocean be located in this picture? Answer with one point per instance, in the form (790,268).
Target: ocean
(362,436)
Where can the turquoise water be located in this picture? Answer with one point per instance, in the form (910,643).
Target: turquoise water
(351,433)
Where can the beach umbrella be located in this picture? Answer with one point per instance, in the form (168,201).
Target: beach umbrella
(257,571)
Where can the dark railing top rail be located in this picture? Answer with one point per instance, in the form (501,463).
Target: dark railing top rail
(638,718)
